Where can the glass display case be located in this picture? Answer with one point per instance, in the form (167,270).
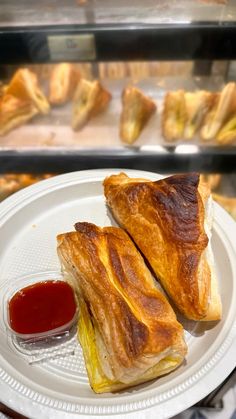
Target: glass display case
(151,50)
(156,47)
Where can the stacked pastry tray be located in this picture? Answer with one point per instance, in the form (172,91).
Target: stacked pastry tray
(48,143)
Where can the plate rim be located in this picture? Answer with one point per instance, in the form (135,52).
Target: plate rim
(24,197)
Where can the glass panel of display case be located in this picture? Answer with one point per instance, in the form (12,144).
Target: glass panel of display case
(58,12)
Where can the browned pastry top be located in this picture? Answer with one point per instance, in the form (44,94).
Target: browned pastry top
(166,221)
(133,316)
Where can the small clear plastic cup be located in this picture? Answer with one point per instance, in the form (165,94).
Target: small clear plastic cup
(37,347)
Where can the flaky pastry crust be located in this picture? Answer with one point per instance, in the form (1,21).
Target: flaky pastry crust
(129,321)
(166,221)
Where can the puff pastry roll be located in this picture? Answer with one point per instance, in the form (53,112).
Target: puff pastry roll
(169,221)
(24,85)
(174,116)
(90,99)
(14,112)
(127,329)
(136,112)
(197,105)
(223,107)
(62,83)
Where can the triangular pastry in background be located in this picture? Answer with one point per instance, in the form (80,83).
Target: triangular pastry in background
(221,111)
(90,99)
(24,85)
(227,134)
(197,105)
(213,180)
(14,112)
(174,116)
(63,80)
(136,111)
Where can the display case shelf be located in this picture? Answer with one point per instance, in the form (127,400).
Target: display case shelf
(49,144)
(171,160)
(186,41)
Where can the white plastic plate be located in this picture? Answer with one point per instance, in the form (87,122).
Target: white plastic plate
(58,388)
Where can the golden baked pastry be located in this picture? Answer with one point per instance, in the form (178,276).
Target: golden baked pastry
(223,107)
(174,115)
(228,203)
(213,180)
(24,85)
(12,182)
(14,112)
(197,105)
(127,329)
(90,99)
(3,88)
(169,221)
(63,80)
(136,111)
(227,134)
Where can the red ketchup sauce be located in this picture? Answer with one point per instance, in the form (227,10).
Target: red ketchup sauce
(41,307)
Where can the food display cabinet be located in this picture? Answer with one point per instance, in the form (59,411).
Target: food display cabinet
(155,48)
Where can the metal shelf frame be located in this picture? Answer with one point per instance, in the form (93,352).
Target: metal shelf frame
(58,161)
(118,42)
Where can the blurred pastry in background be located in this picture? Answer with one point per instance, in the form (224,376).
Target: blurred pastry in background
(90,99)
(174,115)
(15,112)
(197,105)
(227,134)
(228,203)
(63,80)
(24,85)
(2,89)
(137,109)
(13,182)
(213,180)
(221,111)
(113,70)
(81,2)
